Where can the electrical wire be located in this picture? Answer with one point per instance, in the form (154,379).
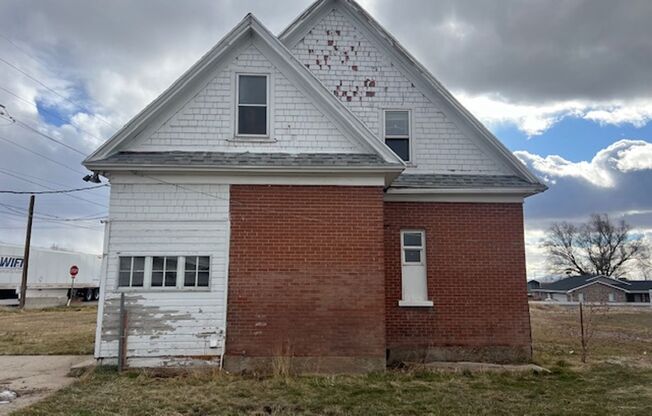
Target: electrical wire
(80,106)
(27,149)
(58,191)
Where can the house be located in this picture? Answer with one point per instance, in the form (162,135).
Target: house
(596,289)
(316,195)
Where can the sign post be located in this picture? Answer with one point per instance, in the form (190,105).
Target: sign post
(73,273)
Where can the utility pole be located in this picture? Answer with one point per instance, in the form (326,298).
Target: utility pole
(28,237)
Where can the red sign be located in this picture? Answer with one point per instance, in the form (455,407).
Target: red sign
(73,271)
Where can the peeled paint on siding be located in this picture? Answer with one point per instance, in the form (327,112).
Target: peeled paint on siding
(364,79)
(149,219)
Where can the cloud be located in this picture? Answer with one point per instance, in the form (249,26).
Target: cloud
(617,181)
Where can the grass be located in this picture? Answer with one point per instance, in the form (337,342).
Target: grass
(616,381)
(54,331)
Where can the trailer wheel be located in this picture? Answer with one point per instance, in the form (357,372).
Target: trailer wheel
(96,294)
(88,295)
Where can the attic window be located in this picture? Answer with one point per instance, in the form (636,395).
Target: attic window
(397,133)
(252,118)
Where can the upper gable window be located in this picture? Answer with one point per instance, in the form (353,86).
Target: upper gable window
(397,132)
(252,118)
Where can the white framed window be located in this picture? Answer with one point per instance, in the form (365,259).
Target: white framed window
(252,105)
(131,271)
(197,271)
(414,273)
(612,297)
(164,271)
(397,132)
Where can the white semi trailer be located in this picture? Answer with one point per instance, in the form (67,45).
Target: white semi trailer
(48,276)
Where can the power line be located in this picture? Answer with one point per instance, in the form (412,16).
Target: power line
(59,191)
(80,106)
(19,210)
(47,136)
(52,114)
(47,187)
(41,155)
(50,220)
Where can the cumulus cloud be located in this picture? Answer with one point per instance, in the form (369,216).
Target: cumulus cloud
(617,181)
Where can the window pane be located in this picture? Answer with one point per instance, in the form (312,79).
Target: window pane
(170,278)
(123,278)
(253,89)
(252,120)
(413,256)
(157,263)
(202,279)
(137,279)
(412,239)
(171,264)
(401,147)
(189,279)
(125,263)
(204,263)
(397,123)
(191,264)
(139,263)
(157,278)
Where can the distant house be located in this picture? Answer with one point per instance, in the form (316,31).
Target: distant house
(594,289)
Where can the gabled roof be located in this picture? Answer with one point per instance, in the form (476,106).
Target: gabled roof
(573,283)
(195,77)
(419,75)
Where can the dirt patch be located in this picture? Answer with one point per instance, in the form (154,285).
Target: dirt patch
(33,378)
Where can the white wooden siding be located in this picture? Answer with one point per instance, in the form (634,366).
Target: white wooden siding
(159,219)
(438,144)
(207,121)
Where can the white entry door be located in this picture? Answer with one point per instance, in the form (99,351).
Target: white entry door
(413,265)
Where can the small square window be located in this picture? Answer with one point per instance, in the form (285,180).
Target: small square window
(397,133)
(164,272)
(197,271)
(131,271)
(252,105)
(413,256)
(412,239)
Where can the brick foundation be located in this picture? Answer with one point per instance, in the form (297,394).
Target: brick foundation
(476,279)
(306,278)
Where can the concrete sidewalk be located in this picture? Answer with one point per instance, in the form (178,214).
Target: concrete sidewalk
(34,377)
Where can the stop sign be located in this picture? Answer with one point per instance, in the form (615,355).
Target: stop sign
(73,271)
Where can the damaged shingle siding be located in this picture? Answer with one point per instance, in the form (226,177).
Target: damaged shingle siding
(363,78)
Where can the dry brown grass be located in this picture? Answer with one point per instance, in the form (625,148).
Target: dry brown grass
(621,335)
(598,388)
(53,331)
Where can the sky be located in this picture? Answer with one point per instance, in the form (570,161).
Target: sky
(564,84)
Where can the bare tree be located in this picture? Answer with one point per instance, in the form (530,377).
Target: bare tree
(599,246)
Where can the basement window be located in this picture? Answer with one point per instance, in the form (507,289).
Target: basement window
(197,271)
(164,272)
(252,105)
(397,132)
(131,272)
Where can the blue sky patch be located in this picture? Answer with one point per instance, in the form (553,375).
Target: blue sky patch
(574,139)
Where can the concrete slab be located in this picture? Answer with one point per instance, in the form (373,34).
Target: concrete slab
(484,367)
(34,377)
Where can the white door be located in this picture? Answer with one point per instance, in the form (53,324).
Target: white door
(413,264)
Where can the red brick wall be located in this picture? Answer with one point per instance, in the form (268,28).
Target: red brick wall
(476,279)
(306,272)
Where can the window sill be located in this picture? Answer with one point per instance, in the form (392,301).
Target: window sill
(252,139)
(161,290)
(415,303)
